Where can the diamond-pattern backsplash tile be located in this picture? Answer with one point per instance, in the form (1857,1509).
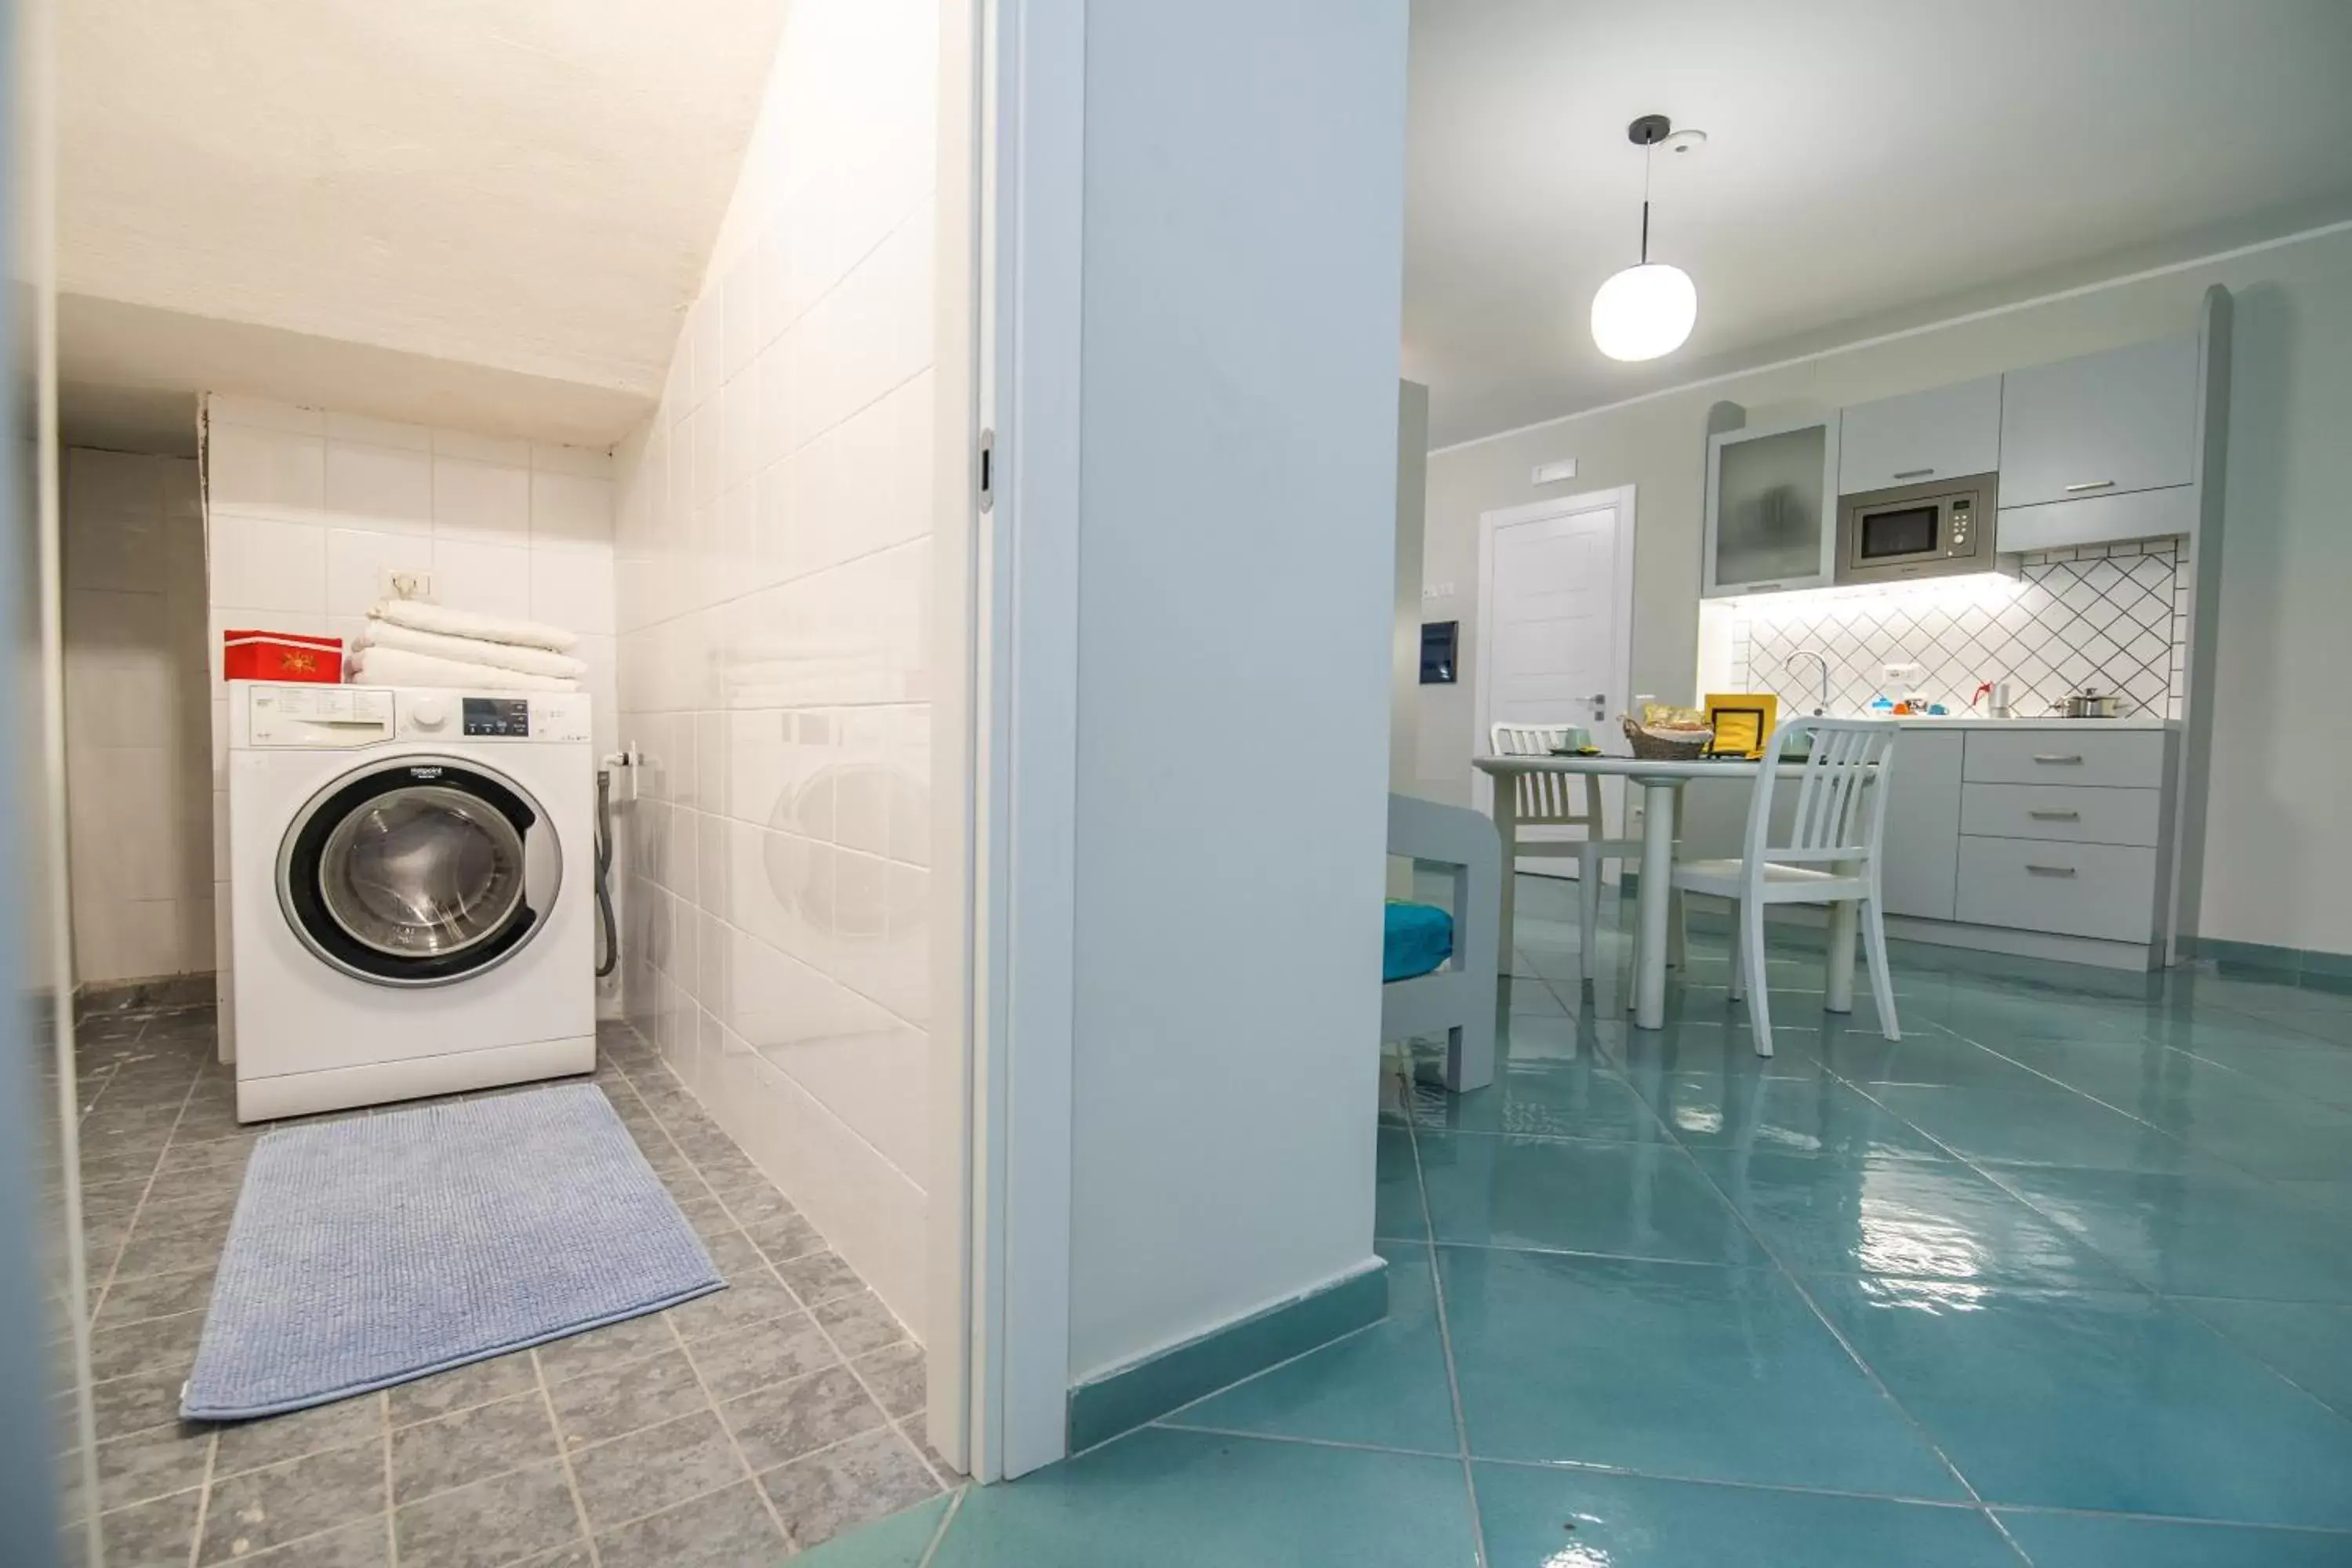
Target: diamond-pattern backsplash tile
(2114,616)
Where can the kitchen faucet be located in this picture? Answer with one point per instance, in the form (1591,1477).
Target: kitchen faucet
(1818,656)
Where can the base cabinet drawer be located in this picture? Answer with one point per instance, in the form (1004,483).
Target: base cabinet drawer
(2077,815)
(2133,759)
(2103,891)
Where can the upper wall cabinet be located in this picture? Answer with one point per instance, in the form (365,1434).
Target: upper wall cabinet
(1943,433)
(2106,424)
(1771,507)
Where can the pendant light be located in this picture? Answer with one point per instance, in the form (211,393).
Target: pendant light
(1647,310)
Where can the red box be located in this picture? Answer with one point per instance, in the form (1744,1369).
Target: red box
(281,656)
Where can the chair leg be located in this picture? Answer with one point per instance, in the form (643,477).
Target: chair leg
(1588,905)
(1751,944)
(1738,966)
(1882,978)
(1677,932)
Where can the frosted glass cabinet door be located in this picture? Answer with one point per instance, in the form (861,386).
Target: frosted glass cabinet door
(1771,507)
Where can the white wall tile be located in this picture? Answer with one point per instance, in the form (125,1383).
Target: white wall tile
(570,509)
(474,448)
(269,564)
(221,408)
(572,588)
(384,486)
(588,462)
(376,432)
(485,503)
(266,472)
(491,579)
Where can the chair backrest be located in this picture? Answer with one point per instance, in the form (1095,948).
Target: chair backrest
(1841,807)
(1564,800)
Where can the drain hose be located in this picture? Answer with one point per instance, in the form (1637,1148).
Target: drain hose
(610,947)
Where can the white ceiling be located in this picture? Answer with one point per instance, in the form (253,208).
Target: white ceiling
(1869,163)
(528,188)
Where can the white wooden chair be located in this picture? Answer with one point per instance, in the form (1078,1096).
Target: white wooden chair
(1460,1000)
(1831,856)
(1572,800)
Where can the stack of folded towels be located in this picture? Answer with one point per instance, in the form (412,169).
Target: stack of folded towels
(407,643)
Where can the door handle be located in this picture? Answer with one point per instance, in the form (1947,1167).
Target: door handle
(1914,473)
(2050,870)
(2090,485)
(2055,816)
(2054,758)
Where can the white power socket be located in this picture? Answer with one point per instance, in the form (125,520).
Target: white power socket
(406,584)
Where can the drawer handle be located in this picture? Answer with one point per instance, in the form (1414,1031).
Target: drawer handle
(1914,473)
(2049,870)
(2075,760)
(2055,816)
(2091,485)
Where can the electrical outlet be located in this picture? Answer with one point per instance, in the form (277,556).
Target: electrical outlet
(1437,590)
(409,585)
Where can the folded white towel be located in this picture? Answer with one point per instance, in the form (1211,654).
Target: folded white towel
(470,650)
(399,667)
(469,624)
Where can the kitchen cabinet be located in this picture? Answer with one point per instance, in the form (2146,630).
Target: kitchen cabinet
(1920,875)
(2103,424)
(1771,507)
(1943,433)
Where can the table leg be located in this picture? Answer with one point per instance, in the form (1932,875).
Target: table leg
(1658,801)
(1837,985)
(1506,828)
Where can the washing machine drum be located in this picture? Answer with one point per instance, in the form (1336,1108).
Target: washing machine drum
(424,871)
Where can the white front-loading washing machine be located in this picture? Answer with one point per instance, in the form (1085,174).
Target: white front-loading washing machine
(411,892)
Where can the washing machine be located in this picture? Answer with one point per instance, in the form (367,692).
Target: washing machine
(411,892)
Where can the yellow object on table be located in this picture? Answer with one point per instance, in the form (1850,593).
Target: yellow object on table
(1742,721)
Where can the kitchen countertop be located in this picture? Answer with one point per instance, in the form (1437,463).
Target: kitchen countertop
(2042,722)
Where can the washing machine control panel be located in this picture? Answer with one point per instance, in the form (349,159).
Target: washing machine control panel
(498,718)
(318,716)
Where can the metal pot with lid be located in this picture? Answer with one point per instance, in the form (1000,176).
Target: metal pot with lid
(2092,703)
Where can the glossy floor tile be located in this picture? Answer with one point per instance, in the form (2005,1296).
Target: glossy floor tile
(2062,1278)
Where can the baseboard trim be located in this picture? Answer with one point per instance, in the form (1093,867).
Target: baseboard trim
(134,996)
(1143,1389)
(2311,969)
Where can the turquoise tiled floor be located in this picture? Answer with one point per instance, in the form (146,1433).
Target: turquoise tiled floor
(2064,1279)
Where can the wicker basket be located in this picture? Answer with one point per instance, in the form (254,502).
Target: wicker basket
(1650,748)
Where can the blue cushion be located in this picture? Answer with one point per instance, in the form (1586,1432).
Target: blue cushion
(1419,937)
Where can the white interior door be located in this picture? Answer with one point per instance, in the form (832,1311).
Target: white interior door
(1555,592)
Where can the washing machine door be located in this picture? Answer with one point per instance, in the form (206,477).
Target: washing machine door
(419,871)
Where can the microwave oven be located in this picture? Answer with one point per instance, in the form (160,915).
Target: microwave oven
(1938,529)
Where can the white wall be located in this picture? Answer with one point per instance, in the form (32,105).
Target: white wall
(138,717)
(774,547)
(306,510)
(1243,241)
(2276,867)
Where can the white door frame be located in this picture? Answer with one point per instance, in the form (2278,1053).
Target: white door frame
(1009,599)
(1620,660)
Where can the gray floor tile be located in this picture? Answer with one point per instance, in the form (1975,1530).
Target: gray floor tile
(152,1464)
(153,1535)
(788,1236)
(158,1342)
(165,1243)
(777,1425)
(840,1488)
(753,1296)
(820,1277)
(602,1349)
(737,1361)
(501,1377)
(470,1445)
(654,1469)
(860,1324)
(895,1377)
(732,1528)
(261,1509)
(157,1296)
(274,1439)
(610,1401)
(506,1518)
(149,1397)
(366,1543)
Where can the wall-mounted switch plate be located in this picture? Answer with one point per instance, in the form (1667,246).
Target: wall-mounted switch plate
(1437,590)
(410,585)
(1552,473)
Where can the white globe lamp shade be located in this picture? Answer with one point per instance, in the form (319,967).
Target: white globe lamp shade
(1645,311)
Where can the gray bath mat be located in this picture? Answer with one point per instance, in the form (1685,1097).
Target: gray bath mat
(371,1251)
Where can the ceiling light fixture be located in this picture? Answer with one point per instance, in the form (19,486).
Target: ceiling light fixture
(1647,310)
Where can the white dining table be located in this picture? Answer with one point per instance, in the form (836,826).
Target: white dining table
(1661,784)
